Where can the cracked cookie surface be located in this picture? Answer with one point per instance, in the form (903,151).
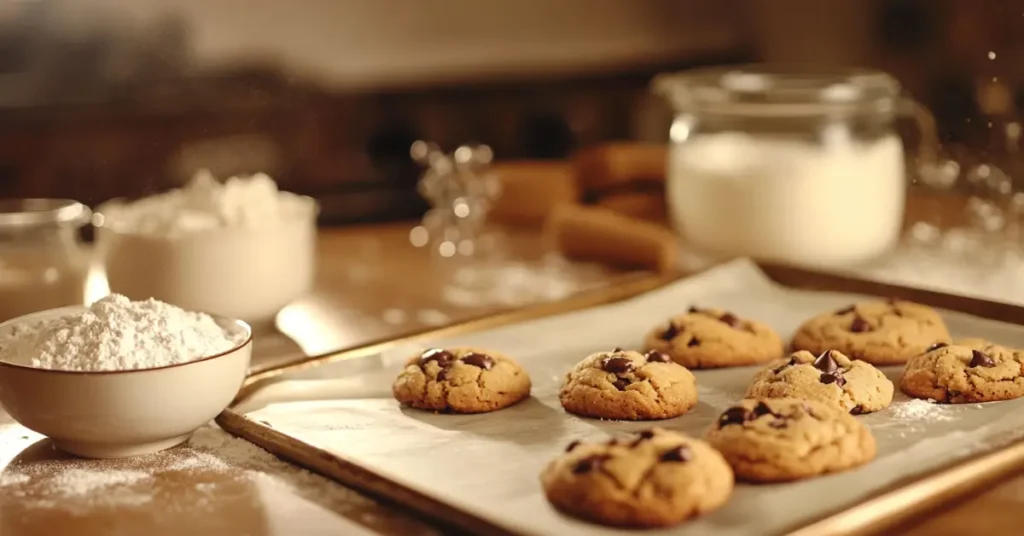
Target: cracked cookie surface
(628,385)
(852,385)
(879,332)
(461,380)
(654,478)
(969,370)
(779,440)
(711,338)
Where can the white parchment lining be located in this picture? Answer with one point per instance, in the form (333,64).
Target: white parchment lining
(488,465)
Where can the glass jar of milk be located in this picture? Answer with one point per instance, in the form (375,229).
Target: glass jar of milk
(42,263)
(785,166)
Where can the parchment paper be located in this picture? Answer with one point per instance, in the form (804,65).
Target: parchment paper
(489,464)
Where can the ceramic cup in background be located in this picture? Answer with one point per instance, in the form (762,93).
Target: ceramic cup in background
(240,272)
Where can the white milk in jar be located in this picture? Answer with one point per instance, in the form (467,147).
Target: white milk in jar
(800,168)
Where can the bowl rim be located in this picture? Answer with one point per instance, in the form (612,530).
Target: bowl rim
(220,319)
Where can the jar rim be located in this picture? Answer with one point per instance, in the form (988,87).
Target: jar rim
(779,90)
(35,212)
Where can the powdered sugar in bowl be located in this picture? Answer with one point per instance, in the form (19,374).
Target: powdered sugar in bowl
(120,378)
(239,248)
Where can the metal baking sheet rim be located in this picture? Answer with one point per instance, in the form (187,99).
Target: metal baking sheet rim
(888,508)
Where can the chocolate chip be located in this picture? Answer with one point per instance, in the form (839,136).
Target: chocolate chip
(734,415)
(443,357)
(670,332)
(621,383)
(694,310)
(792,361)
(616,350)
(832,377)
(761,409)
(979,359)
(442,374)
(729,319)
(641,437)
(825,362)
(857,410)
(588,464)
(655,356)
(572,446)
(616,364)
(859,325)
(778,423)
(935,346)
(693,342)
(682,453)
(485,362)
(846,310)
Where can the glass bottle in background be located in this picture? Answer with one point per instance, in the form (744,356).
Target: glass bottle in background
(42,262)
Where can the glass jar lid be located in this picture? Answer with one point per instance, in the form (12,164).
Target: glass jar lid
(42,212)
(764,90)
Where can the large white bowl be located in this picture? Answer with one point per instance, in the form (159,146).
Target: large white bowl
(122,413)
(237,272)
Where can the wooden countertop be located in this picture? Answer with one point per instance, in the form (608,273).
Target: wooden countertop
(371,284)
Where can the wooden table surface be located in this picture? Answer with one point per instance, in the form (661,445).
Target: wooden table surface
(371,284)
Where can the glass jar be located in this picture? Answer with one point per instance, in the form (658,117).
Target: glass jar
(785,166)
(42,262)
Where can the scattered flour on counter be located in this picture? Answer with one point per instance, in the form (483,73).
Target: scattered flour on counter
(920,410)
(206,203)
(116,333)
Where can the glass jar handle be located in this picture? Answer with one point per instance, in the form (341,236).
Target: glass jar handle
(929,168)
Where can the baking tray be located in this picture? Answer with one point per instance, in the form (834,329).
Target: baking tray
(363,439)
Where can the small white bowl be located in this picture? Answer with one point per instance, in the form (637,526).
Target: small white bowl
(243,273)
(114,414)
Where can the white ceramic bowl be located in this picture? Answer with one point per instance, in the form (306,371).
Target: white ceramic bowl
(243,273)
(122,413)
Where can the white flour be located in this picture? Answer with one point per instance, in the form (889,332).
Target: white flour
(920,410)
(116,333)
(205,204)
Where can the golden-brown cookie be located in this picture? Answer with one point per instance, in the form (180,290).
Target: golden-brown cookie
(971,370)
(628,385)
(779,440)
(879,332)
(851,385)
(710,338)
(655,478)
(461,380)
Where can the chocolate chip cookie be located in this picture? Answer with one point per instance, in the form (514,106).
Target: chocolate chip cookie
(628,385)
(710,338)
(655,478)
(879,332)
(851,385)
(461,380)
(970,370)
(778,440)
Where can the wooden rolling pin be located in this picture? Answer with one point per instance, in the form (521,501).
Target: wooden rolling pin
(599,234)
(615,165)
(530,190)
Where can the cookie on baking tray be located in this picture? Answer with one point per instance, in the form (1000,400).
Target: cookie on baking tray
(884,332)
(711,338)
(461,380)
(969,370)
(779,440)
(655,478)
(628,385)
(851,385)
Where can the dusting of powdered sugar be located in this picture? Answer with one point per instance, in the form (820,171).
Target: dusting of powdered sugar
(116,333)
(916,409)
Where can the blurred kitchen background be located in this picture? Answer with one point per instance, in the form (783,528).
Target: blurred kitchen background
(106,98)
